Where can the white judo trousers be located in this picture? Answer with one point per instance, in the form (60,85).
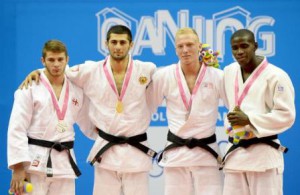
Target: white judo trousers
(189,171)
(33,115)
(133,120)
(269,104)
(43,185)
(193,180)
(253,183)
(115,182)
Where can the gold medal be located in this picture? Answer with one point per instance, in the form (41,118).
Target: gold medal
(119,107)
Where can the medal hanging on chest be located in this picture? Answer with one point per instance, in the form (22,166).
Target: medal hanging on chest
(239,132)
(187,115)
(188,102)
(119,107)
(61,126)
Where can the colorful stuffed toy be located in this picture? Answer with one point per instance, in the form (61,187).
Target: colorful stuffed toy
(208,56)
(238,132)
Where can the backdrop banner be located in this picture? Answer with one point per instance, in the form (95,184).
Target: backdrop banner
(82,26)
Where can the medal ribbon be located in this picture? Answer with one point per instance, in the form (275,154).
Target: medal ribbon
(238,100)
(196,87)
(60,113)
(126,80)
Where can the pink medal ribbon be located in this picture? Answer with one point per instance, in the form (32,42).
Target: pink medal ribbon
(62,126)
(119,105)
(238,100)
(196,87)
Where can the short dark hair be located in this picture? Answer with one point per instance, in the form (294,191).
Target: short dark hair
(54,46)
(243,32)
(119,29)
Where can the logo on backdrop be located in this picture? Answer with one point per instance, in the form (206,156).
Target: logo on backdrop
(156,31)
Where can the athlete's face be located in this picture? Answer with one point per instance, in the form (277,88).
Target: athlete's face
(118,46)
(187,48)
(55,63)
(243,49)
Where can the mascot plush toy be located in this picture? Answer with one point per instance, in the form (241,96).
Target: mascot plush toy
(208,56)
(238,132)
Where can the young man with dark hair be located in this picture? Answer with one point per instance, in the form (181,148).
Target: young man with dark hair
(261,102)
(41,135)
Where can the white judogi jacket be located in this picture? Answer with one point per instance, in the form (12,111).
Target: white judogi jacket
(33,115)
(134,119)
(200,123)
(270,107)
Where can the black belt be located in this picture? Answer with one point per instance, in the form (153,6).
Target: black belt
(115,140)
(190,143)
(59,146)
(245,143)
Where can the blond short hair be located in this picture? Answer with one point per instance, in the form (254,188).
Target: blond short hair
(186,30)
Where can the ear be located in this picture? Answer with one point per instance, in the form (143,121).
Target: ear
(176,52)
(43,61)
(200,47)
(67,59)
(131,44)
(256,45)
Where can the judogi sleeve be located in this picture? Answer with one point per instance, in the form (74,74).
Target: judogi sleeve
(155,91)
(282,111)
(221,89)
(79,74)
(20,120)
(83,121)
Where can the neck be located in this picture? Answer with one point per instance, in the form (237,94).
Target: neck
(55,80)
(252,66)
(119,66)
(191,69)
